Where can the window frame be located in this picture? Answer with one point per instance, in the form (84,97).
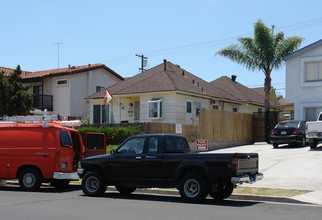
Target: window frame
(159,110)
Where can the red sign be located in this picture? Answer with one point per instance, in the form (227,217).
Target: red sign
(202,145)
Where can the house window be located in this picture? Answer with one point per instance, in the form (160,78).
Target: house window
(99,88)
(155,108)
(198,107)
(312,113)
(62,82)
(235,109)
(100,114)
(313,71)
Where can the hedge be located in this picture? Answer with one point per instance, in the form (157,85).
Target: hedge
(114,135)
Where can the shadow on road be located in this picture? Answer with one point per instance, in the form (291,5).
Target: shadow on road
(176,199)
(45,188)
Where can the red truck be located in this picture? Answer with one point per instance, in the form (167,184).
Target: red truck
(37,152)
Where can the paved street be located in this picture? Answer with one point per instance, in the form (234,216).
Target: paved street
(72,205)
(288,168)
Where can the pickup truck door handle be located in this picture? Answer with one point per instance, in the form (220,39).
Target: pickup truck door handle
(138,158)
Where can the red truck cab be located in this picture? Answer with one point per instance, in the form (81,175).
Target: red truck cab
(37,152)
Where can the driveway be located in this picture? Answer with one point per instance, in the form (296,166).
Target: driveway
(287,168)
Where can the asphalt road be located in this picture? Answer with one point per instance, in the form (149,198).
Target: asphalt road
(73,205)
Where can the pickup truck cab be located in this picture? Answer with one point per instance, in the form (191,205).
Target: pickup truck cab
(313,130)
(165,161)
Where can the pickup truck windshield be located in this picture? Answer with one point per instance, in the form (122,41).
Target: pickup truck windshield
(132,146)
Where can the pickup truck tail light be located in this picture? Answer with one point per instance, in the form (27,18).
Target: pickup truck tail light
(234,163)
(306,127)
(272,131)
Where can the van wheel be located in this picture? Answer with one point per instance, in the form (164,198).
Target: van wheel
(93,184)
(124,190)
(30,179)
(193,188)
(59,184)
(223,191)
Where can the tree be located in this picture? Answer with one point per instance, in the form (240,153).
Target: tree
(14,98)
(264,52)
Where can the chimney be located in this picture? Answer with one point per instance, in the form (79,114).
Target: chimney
(233,78)
(165,64)
(69,66)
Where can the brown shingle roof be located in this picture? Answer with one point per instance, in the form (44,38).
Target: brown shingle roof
(239,91)
(68,70)
(165,77)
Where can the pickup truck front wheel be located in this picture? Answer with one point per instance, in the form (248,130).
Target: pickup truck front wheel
(93,184)
(313,143)
(193,188)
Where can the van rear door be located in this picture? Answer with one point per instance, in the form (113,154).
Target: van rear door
(65,153)
(95,144)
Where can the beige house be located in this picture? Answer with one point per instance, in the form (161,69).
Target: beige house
(166,93)
(62,91)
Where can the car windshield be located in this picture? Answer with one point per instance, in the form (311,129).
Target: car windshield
(287,125)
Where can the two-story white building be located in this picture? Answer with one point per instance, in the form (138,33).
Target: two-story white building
(304,81)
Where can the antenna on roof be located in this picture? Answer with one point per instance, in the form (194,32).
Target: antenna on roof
(144,61)
(58,51)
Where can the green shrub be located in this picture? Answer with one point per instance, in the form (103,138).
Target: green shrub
(114,135)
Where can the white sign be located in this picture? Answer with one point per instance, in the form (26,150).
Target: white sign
(178,128)
(202,145)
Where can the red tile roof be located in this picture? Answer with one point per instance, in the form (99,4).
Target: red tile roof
(8,71)
(165,77)
(66,71)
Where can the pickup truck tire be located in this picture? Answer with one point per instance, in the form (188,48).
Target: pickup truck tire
(193,188)
(30,179)
(313,143)
(223,191)
(275,145)
(93,184)
(59,184)
(124,190)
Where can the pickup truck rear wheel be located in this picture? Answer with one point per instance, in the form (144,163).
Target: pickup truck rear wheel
(193,188)
(124,190)
(93,184)
(223,191)
(30,179)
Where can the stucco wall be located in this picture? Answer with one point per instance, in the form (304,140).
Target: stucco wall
(302,94)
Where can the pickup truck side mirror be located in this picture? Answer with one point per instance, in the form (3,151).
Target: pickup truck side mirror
(113,152)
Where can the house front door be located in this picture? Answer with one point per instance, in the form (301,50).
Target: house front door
(189,113)
(137,111)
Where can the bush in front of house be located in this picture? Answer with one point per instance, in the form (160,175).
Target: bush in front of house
(114,135)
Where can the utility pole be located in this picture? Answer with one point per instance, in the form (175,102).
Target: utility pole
(144,60)
(58,51)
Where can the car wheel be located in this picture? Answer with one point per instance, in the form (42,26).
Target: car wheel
(30,179)
(193,188)
(93,184)
(59,184)
(223,191)
(275,145)
(124,190)
(303,142)
(313,143)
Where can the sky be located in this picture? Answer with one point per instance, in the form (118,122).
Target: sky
(42,34)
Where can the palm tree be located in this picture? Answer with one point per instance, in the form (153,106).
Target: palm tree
(264,52)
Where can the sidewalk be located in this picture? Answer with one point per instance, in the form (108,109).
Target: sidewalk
(287,168)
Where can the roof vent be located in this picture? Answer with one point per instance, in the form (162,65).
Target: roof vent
(183,72)
(233,78)
(165,64)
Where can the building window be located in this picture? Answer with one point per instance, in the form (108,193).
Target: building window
(313,71)
(99,88)
(235,109)
(312,113)
(155,108)
(100,114)
(62,82)
(198,107)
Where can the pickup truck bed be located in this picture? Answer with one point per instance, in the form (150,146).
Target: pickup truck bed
(164,160)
